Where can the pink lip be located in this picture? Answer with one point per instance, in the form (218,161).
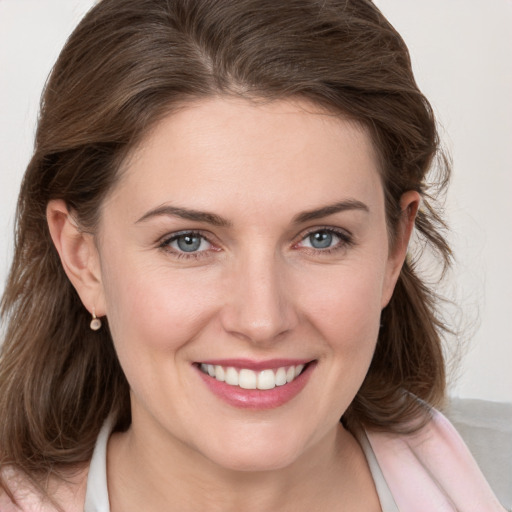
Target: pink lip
(257,399)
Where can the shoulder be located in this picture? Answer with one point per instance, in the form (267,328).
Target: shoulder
(432,468)
(69,493)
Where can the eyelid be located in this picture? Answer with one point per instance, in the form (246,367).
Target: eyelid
(343,233)
(165,241)
(347,239)
(345,236)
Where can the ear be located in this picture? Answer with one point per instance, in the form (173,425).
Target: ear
(78,254)
(409,204)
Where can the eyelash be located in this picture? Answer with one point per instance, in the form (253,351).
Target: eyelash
(346,241)
(165,245)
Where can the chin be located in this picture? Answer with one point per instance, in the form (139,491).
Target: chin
(255,456)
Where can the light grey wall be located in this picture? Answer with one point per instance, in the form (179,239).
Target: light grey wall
(462,55)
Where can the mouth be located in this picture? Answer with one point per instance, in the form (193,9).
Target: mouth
(246,378)
(256,385)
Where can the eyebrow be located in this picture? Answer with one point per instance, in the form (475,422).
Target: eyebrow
(217,220)
(186,213)
(325,211)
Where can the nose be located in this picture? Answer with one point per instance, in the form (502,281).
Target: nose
(259,306)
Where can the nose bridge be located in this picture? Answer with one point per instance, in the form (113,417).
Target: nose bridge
(258,305)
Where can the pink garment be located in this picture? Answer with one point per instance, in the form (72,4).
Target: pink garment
(432,470)
(429,471)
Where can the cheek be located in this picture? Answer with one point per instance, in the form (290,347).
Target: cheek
(344,313)
(346,309)
(153,309)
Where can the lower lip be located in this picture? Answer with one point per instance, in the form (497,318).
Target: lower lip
(257,399)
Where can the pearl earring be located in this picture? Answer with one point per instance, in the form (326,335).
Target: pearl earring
(95,322)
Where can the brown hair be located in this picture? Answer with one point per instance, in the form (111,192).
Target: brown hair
(129,63)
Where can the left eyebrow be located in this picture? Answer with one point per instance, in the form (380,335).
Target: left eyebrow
(187,214)
(325,211)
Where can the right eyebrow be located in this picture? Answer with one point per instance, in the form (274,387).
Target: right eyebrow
(325,211)
(186,213)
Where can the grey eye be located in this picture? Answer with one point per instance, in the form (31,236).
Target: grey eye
(321,239)
(188,243)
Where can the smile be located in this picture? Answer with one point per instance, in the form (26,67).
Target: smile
(256,385)
(249,379)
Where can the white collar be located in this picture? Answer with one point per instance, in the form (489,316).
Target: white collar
(96,495)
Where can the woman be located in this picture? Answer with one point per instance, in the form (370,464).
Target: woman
(211,271)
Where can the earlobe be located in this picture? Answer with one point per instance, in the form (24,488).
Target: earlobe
(409,204)
(78,255)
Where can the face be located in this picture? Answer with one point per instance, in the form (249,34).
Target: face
(244,264)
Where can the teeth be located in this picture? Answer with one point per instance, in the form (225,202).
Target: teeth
(219,373)
(249,379)
(231,377)
(266,379)
(281,377)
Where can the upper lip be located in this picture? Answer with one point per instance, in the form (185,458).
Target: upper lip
(252,364)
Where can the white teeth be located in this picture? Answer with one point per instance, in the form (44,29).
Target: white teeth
(266,379)
(231,377)
(219,373)
(249,379)
(281,377)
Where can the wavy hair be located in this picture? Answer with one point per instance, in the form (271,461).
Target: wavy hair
(128,64)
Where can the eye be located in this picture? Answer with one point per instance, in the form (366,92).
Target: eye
(187,242)
(325,239)
(321,239)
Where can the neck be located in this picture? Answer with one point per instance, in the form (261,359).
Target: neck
(147,473)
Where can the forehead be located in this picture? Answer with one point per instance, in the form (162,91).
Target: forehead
(228,152)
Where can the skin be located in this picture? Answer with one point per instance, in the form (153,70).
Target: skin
(255,289)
